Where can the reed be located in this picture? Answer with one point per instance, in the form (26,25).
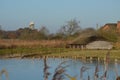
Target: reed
(118,78)
(60,71)
(45,70)
(4,71)
(13,43)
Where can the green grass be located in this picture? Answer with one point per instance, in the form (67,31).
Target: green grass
(36,50)
(90,53)
(60,51)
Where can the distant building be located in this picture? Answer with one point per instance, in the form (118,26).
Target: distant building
(83,40)
(97,44)
(31,25)
(89,40)
(112,26)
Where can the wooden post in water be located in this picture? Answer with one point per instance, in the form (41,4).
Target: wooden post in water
(91,59)
(116,60)
(104,60)
(46,73)
(98,59)
(116,68)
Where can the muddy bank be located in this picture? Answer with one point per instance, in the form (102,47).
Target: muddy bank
(8,56)
(60,56)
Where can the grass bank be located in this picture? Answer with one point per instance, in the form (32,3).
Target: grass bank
(59,52)
(114,54)
(20,48)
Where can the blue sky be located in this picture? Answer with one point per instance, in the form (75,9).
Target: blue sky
(53,14)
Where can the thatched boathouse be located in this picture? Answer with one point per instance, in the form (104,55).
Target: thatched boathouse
(89,40)
(83,39)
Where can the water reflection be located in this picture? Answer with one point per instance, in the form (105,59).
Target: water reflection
(33,69)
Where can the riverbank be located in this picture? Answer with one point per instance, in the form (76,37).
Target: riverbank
(39,52)
(51,49)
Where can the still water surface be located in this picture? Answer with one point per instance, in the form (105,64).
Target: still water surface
(29,69)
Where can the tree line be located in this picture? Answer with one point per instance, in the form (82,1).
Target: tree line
(70,30)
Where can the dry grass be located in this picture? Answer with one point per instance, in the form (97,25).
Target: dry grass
(31,43)
(117,45)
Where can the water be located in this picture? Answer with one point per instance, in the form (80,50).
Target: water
(29,69)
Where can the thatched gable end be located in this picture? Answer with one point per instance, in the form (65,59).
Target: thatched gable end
(99,45)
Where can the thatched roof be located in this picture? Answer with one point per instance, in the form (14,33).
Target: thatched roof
(82,40)
(86,37)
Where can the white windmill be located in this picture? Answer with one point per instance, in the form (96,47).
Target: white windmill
(31,25)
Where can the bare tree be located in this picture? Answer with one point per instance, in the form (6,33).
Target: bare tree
(70,28)
(44,30)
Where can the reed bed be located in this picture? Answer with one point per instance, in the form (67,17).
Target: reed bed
(7,43)
(60,71)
